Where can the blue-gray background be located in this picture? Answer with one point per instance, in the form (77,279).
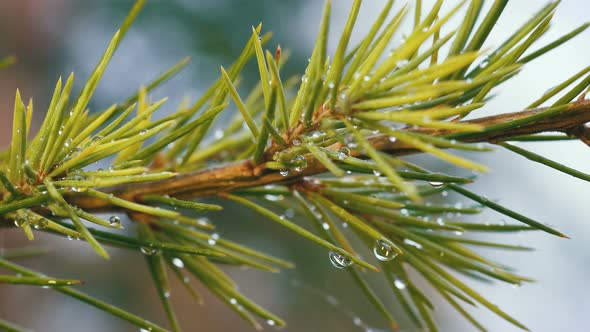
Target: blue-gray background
(54,37)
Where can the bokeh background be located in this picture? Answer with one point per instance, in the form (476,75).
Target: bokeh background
(54,37)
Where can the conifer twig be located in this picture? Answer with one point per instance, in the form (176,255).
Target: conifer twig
(245,174)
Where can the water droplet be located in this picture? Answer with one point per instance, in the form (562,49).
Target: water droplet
(376,172)
(413,243)
(402,63)
(366,78)
(392,139)
(339,261)
(233,301)
(143,132)
(399,284)
(271,322)
(41,223)
(114,220)
(274,198)
(357,321)
(301,163)
(436,184)
(148,251)
(405,212)
(331,85)
(296,142)
(284,172)
(20,221)
(383,251)
(325,226)
(343,153)
(178,262)
(203,221)
(458,233)
(213,239)
(315,134)
(445,193)
(73,152)
(68,142)
(289,213)
(95,139)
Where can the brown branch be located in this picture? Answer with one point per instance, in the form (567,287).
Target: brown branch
(245,174)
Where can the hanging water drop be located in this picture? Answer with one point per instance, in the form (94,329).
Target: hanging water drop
(383,251)
(436,184)
(41,223)
(300,162)
(271,322)
(274,198)
(178,262)
(413,243)
(325,226)
(343,153)
(114,221)
(357,321)
(20,222)
(399,284)
(148,251)
(315,135)
(213,239)
(284,172)
(339,261)
(204,221)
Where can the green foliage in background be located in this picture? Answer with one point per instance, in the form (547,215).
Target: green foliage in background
(328,145)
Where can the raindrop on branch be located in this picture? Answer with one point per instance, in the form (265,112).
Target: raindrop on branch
(114,220)
(383,251)
(339,261)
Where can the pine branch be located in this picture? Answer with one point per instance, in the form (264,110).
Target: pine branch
(353,116)
(244,174)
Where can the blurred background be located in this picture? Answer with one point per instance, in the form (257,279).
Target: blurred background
(54,37)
